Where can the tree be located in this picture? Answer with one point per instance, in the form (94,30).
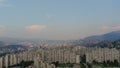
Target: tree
(94,62)
(83,59)
(104,64)
(56,63)
(22,64)
(116,63)
(89,65)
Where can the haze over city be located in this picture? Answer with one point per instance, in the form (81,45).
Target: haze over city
(59,33)
(58,19)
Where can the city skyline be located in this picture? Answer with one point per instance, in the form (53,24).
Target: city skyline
(58,20)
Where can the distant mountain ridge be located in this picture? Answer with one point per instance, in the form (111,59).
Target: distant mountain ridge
(2,43)
(89,41)
(13,46)
(109,44)
(10,40)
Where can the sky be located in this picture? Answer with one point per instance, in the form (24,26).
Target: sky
(58,19)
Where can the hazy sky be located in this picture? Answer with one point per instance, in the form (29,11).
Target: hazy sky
(58,19)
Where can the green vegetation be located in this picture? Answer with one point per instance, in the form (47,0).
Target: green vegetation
(83,59)
(83,65)
(89,65)
(57,64)
(109,44)
(23,64)
(104,64)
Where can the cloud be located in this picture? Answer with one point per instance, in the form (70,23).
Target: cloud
(110,27)
(35,27)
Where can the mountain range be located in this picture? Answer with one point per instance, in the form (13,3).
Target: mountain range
(88,41)
(92,40)
(109,44)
